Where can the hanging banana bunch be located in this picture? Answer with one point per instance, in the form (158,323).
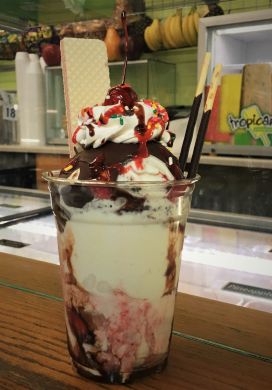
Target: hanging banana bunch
(173,31)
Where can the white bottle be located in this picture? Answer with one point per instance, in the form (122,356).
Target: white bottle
(43,64)
(35,103)
(21,64)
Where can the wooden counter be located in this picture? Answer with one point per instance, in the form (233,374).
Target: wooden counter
(214,345)
(43,149)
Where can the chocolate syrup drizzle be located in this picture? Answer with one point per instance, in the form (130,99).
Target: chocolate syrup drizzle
(124,23)
(107,162)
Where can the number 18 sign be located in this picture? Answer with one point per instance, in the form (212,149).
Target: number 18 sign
(10,109)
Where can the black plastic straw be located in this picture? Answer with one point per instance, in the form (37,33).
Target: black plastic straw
(193,168)
(124,23)
(189,132)
(194,112)
(204,122)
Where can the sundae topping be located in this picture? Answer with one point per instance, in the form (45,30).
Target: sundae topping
(124,24)
(122,162)
(123,120)
(123,94)
(123,139)
(122,123)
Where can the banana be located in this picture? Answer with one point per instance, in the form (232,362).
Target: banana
(165,43)
(175,31)
(167,33)
(196,20)
(148,40)
(202,10)
(191,30)
(185,30)
(190,26)
(155,34)
(172,32)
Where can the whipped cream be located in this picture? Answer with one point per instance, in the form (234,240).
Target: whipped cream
(145,121)
(150,169)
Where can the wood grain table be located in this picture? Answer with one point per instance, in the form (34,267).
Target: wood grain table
(214,345)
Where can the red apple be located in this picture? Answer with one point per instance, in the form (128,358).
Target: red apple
(135,47)
(51,54)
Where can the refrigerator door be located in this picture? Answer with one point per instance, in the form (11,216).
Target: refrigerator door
(242,117)
(235,40)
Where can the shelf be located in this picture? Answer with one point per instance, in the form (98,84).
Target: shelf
(233,68)
(136,62)
(46,149)
(230,220)
(245,162)
(229,6)
(147,57)
(237,150)
(116,63)
(208,160)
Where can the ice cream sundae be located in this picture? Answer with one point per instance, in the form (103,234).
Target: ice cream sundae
(121,205)
(120,209)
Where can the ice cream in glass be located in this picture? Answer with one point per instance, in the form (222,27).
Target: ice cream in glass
(121,205)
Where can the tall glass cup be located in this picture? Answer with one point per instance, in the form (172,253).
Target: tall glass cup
(119,246)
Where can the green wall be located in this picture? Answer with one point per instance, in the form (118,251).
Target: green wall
(53,11)
(186,71)
(7,75)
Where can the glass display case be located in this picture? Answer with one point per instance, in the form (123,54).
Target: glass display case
(237,175)
(151,78)
(229,248)
(56,132)
(9,126)
(242,122)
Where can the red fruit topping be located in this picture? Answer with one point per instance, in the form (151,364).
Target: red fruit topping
(120,168)
(139,162)
(101,193)
(77,324)
(89,111)
(75,134)
(112,111)
(104,175)
(176,191)
(123,94)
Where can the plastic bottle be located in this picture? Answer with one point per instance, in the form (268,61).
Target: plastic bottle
(21,64)
(34,95)
(43,64)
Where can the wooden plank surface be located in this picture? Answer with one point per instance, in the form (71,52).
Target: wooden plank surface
(239,327)
(45,163)
(33,355)
(31,274)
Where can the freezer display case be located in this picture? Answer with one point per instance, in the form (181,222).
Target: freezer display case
(236,165)
(241,123)
(228,250)
(56,131)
